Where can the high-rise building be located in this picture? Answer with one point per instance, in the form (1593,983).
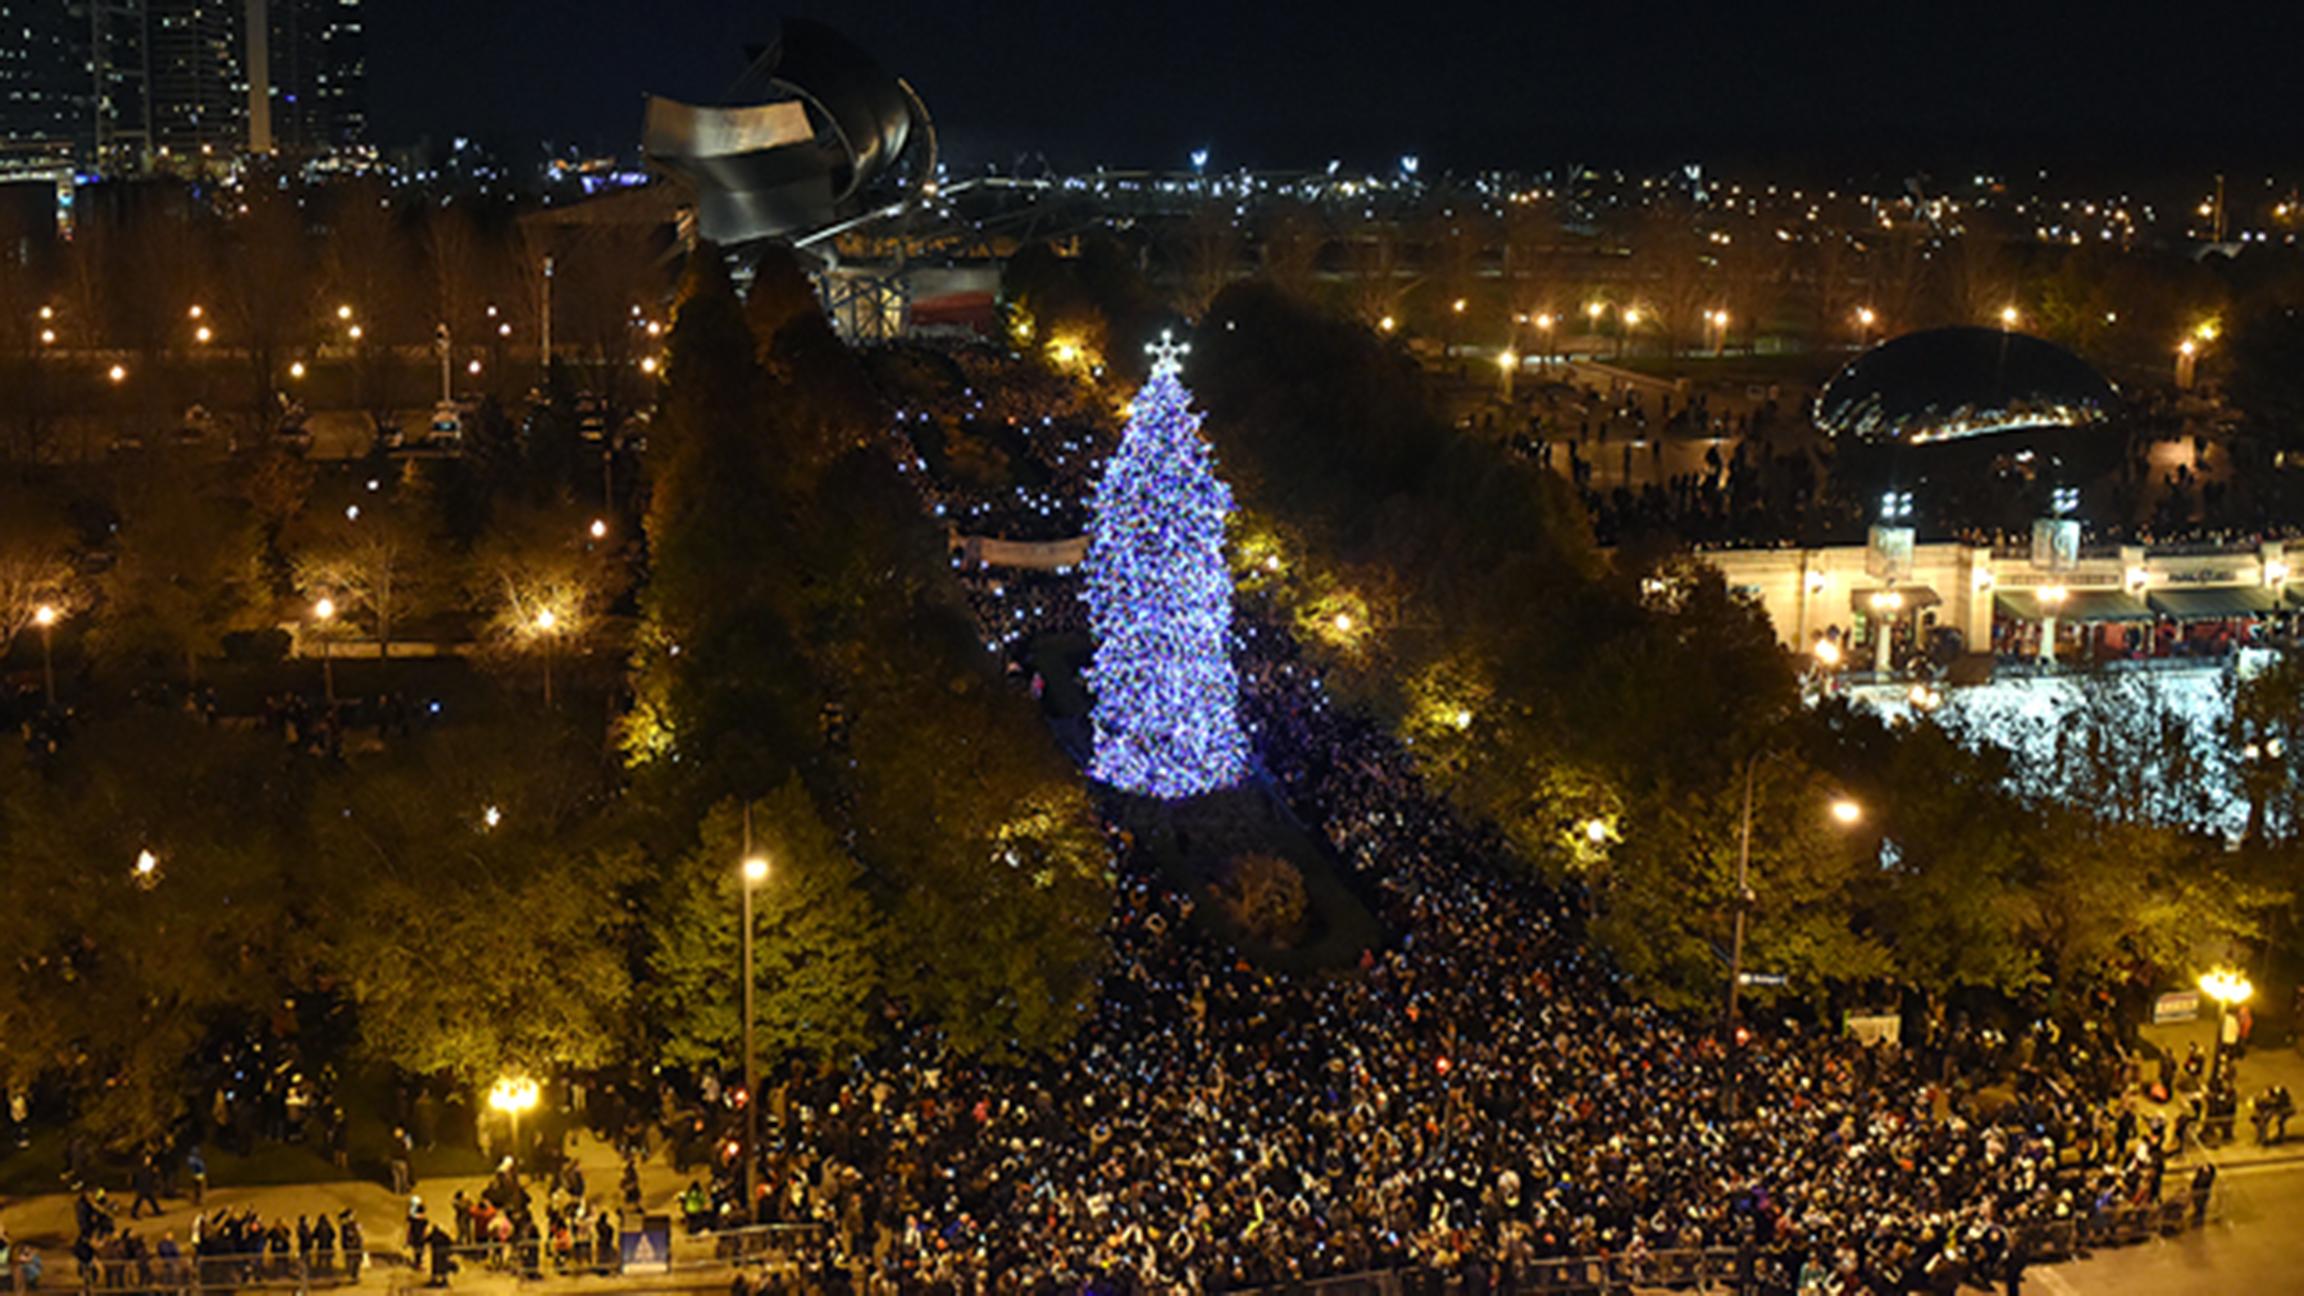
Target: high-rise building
(198,79)
(123,85)
(47,109)
(317,67)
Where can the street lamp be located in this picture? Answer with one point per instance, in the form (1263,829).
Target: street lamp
(755,869)
(1506,362)
(1865,319)
(117,373)
(146,868)
(44,616)
(546,623)
(513,1095)
(324,611)
(2229,989)
(2008,317)
(1845,811)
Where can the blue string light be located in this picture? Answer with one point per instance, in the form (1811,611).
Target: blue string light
(1160,603)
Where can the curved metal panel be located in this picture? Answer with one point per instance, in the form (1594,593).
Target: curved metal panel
(1950,384)
(864,107)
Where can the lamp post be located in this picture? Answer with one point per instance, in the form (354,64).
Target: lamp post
(513,1095)
(44,616)
(546,623)
(755,869)
(324,611)
(1845,812)
(1506,363)
(2229,989)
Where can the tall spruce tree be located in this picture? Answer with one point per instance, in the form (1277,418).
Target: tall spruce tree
(1160,603)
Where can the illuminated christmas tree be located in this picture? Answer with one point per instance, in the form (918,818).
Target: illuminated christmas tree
(1160,603)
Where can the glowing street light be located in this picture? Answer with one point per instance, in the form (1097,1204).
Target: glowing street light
(755,871)
(513,1095)
(598,529)
(1844,811)
(147,867)
(355,332)
(1596,831)
(1387,324)
(2008,317)
(324,611)
(44,616)
(47,337)
(545,624)
(344,313)
(295,368)
(117,373)
(194,313)
(2229,989)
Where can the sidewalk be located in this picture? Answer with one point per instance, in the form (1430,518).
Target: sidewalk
(46,1221)
(2266,1063)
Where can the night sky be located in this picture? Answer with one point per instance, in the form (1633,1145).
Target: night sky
(1527,85)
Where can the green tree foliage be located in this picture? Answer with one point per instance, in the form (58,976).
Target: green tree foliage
(2266,381)
(817,946)
(712,679)
(1668,894)
(802,620)
(115,977)
(437,853)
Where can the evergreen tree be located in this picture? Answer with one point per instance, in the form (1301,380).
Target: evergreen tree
(1160,604)
(816,948)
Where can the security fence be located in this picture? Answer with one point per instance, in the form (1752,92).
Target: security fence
(768,1249)
(1726,1269)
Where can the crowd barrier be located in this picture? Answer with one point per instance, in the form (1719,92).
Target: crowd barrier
(1723,1268)
(159,1276)
(768,1248)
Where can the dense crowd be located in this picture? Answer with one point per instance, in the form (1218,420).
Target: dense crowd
(1482,1092)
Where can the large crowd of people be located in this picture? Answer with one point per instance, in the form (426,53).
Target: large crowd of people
(1480,1093)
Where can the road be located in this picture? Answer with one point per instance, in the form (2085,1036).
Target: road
(2255,1247)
